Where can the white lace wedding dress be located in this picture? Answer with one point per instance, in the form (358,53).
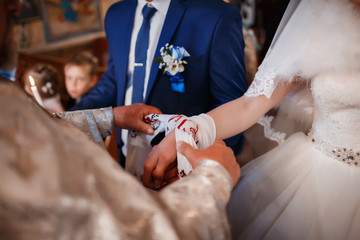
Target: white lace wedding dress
(309,186)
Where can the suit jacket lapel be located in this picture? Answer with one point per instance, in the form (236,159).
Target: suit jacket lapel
(123,30)
(174,15)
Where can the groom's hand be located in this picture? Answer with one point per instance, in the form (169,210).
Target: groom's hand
(131,117)
(160,167)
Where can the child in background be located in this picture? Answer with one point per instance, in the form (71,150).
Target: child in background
(46,80)
(80,74)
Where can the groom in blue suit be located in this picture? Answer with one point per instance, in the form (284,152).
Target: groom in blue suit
(209,30)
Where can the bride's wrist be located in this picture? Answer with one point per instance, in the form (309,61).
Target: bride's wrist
(206,134)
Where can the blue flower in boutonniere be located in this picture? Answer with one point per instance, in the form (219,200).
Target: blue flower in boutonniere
(171,61)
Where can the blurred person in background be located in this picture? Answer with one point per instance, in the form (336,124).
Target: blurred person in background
(47,80)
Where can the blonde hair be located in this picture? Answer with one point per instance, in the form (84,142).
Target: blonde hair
(84,58)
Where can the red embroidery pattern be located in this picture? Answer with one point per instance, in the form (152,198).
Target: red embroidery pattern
(152,120)
(183,174)
(147,119)
(194,132)
(182,123)
(187,126)
(176,117)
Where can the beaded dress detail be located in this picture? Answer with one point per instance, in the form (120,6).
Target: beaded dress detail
(336,127)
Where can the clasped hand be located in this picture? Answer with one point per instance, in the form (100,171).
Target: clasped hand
(160,167)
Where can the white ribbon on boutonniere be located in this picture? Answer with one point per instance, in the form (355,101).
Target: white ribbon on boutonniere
(172,63)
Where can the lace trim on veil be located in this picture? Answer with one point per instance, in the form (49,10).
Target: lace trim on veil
(269,132)
(263,84)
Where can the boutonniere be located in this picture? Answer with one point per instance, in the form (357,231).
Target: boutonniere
(172,63)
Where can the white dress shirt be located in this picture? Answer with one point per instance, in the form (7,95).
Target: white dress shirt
(156,24)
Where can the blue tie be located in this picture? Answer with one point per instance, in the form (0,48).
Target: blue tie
(141,47)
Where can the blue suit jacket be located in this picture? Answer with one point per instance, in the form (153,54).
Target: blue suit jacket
(210,30)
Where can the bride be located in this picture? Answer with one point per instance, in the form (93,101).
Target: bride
(307,187)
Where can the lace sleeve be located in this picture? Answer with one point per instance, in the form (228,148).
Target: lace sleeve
(263,84)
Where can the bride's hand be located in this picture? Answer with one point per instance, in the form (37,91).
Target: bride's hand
(158,168)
